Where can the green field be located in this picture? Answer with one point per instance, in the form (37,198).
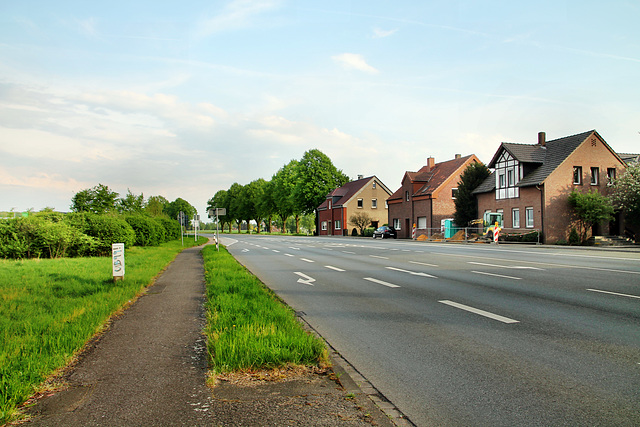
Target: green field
(49,308)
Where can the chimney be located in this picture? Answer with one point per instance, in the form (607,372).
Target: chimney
(360,176)
(458,156)
(431,162)
(542,139)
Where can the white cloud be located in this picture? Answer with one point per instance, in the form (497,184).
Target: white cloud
(237,15)
(354,61)
(379,33)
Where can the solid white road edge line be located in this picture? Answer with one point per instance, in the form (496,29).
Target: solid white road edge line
(478,311)
(381,282)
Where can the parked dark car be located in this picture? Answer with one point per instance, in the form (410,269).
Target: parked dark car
(385,232)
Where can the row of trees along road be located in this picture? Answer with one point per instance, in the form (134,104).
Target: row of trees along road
(101,200)
(297,189)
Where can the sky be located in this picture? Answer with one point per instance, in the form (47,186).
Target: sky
(182,99)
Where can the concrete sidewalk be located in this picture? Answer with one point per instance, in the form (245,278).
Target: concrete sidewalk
(149,369)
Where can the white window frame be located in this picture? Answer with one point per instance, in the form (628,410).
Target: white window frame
(338,224)
(515,217)
(406,196)
(324,225)
(611,175)
(595,175)
(360,203)
(577,181)
(528,213)
(374,203)
(454,193)
(397,223)
(374,185)
(422,222)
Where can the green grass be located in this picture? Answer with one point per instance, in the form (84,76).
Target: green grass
(248,327)
(49,308)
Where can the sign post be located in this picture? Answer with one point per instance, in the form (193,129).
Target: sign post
(117,261)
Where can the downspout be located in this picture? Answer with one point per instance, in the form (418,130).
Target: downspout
(542,206)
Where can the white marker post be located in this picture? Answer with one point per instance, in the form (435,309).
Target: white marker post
(117,261)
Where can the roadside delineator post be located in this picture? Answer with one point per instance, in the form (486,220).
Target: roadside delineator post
(117,261)
(413,231)
(496,232)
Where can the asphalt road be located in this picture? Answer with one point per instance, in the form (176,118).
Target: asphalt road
(457,334)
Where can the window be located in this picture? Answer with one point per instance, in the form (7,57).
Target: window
(374,203)
(510,181)
(594,175)
(337,223)
(406,196)
(374,185)
(329,204)
(515,218)
(611,175)
(360,203)
(501,181)
(396,223)
(454,193)
(577,175)
(529,217)
(422,222)
(324,225)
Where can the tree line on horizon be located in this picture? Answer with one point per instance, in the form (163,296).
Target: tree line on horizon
(295,190)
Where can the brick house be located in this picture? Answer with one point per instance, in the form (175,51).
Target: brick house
(530,183)
(426,197)
(362,195)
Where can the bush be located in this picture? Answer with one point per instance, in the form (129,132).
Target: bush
(109,229)
(574,238)
(368,232)
(171,228)
(148,231)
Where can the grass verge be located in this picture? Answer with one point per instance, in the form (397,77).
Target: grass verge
(248,327)
(49,308)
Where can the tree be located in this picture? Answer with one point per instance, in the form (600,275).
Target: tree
(361,220)
(180,205)
(590,209)
(268,204)
(465,202)
(99,199)
(625,194)
(283,185)
(316,176)
(255,193)
(156,205)
(131,203)
(234,209)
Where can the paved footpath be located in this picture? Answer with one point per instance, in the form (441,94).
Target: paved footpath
(148,369)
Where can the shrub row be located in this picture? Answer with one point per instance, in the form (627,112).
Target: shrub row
(55,235)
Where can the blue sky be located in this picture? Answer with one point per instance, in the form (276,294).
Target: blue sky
(182,99)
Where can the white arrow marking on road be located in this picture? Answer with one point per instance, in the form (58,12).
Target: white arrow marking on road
(305,279)
(478,311)
(415,273)
(381,282)
(334,268)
